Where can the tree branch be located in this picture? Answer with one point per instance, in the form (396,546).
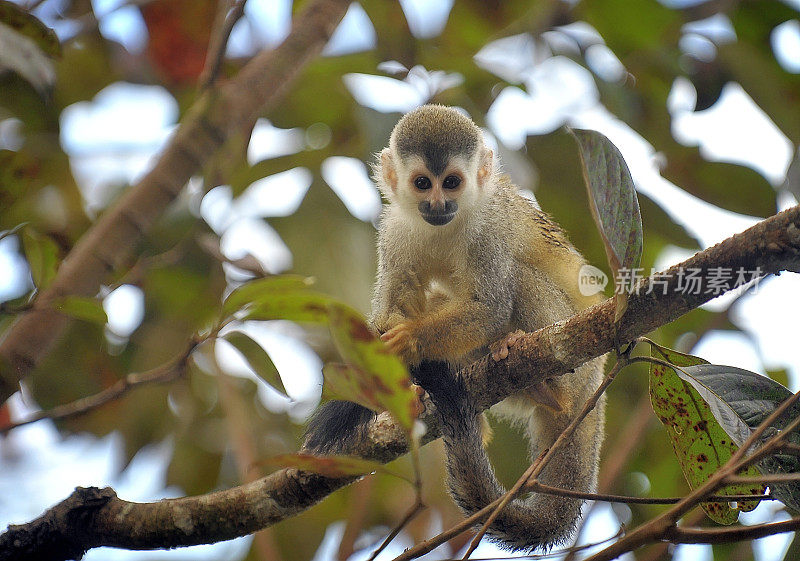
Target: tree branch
(108,244)
(677,534)
(772,245)
(227,16)
(162,374)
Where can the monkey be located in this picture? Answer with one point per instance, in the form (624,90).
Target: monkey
(466,264)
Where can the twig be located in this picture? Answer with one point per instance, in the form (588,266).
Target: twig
(415,509)
(627,441)
(660,526)
(504,500)
(223,26)
(434,542)
(537,487)
(167,372)
(359,501)
(679,534)
(766,478)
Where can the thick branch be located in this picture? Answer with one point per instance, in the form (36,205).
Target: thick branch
(773,245)
(110,241)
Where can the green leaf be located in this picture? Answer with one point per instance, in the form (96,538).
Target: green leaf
(382,374)
(260,290)
(294,305)
(28,25)
(329,466)
(348,383)
(78,307)
(257,358)
(792,181)
(42,255)
(700,443)
(740,401)
(614,205)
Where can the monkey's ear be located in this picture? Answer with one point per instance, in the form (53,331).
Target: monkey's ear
(486,166)
(387,169)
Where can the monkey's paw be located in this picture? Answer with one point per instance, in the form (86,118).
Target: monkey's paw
(500,348)
(419,404)
(402,342)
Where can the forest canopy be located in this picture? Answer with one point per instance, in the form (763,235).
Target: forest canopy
(700,98)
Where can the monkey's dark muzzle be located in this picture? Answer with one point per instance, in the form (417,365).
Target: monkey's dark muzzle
(438,215)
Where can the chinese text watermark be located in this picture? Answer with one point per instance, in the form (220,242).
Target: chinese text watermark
(690,280)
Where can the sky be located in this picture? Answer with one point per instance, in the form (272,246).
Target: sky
(113,139)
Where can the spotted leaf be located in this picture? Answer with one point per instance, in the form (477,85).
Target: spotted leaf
(700,443)
(383,378)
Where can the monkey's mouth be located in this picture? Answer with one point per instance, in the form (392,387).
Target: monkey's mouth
(438,219)
(438,215)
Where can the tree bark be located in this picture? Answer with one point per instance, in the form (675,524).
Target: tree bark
(108,244)
(96,517)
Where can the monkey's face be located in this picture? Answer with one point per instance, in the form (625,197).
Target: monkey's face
(436,197)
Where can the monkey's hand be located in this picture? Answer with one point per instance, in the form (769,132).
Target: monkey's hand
(401,340)
(384,322)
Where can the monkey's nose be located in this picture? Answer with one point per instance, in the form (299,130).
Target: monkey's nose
(437,205)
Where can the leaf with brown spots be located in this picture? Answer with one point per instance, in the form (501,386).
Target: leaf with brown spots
(348,383)
(700,443)
(329,466)
(296,305)
(373,376)
(382,377)
(740,401)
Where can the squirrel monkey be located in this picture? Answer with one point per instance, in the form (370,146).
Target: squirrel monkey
(464,263)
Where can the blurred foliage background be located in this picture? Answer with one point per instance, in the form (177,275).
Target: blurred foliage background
(290,193)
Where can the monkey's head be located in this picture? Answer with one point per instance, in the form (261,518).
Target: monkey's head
(436,164)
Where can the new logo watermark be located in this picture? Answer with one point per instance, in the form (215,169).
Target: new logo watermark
(591,280)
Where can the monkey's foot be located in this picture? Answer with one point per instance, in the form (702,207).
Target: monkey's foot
(419,405)
(500,348)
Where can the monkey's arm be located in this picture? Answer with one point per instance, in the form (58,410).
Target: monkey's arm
(474,315)
(539,520)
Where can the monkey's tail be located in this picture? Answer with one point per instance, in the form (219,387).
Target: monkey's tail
(523,525)
(335,426)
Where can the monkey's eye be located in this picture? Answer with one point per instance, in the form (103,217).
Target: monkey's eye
(451,182)
(422,183)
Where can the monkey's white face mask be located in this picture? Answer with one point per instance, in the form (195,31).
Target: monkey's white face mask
(435,199)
